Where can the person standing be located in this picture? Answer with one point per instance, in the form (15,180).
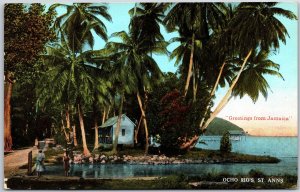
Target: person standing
(40,163)
(66,161)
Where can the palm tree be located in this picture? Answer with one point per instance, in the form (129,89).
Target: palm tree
(254,26)
(144,15)
(133,56)
(192,21)
(77,24)
(70,81)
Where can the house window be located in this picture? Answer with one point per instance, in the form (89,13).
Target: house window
(123,132)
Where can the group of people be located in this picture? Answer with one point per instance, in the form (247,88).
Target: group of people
(40,166)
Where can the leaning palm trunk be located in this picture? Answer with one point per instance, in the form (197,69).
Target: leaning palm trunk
(86,151)
(190,67)
(74,136)
(227,97)
(104,116)
(63,128)
(117,130)
(107,115)
(145,123)
(7,113)
(212,93)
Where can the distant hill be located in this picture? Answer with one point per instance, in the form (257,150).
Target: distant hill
(218,126)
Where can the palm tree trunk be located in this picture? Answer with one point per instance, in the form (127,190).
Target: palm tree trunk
(86,151)
(212,93)
(190,143)
(227,96)
(107,115)
(68,122)
(7,113)
(96,134)
(137,130)
(103,117)
(145,123)
(63,127)
(195,85)
(117,130)
(74,136)
(190,67)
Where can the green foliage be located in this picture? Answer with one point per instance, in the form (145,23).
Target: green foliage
(25,35)
(77,24)
(225,145)
(172,182)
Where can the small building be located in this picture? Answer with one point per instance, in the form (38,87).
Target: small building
(236,135)
(126,134)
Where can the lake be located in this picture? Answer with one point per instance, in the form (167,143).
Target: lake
(285,148)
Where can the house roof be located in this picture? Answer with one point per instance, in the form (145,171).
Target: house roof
(113,120)
(236,132)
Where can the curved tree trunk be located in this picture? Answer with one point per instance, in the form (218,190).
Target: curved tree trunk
(74,136)
(107,115)
(190,143)
(117,130)
(193,141)
(86,151)
(104,116)
(227,96)
(7,113)
(145,123)
(188,79)
(212,93)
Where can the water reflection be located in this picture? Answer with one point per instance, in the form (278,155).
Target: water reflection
(286,166)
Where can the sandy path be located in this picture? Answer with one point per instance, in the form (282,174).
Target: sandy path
(13,161)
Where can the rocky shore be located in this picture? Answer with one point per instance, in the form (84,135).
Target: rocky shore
(78,158)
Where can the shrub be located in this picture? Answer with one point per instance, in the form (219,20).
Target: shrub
(225,145)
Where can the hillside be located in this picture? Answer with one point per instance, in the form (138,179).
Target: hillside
(218,126)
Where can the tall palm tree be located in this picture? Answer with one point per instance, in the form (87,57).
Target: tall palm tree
(133,56)
(78,22)
(193,21)
(70,82)
(144,15)
(254,26)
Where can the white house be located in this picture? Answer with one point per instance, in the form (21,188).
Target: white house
(126,134)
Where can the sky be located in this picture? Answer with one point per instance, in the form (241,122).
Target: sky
(282,98)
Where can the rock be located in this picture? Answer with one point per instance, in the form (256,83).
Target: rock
(177,162)
(103,161)
(102,157)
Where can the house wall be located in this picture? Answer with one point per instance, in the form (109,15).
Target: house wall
(127,139)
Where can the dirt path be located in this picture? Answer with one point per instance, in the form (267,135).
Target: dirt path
(13,161)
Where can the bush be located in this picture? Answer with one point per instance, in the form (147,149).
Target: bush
(225,145)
